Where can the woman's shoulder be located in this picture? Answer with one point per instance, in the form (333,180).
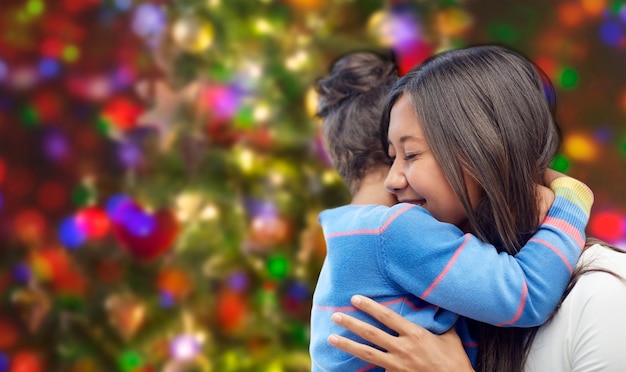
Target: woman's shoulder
(602,257)
(603,280)
(584,333)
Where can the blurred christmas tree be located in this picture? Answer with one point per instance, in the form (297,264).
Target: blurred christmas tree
(162,174)
(161,171)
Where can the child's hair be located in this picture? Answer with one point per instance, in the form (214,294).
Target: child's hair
(487,112)
(351,100)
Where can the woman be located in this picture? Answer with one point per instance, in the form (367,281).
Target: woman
(486,105)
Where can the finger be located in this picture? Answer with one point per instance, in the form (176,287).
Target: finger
(362,351)
(365,330)
(384,315)
(551,175)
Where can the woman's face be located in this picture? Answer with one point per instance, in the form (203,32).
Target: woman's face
(415,176)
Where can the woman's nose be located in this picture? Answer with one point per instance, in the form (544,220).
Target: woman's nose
(395,180)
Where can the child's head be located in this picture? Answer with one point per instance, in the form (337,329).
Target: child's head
(484,113)
(351,100)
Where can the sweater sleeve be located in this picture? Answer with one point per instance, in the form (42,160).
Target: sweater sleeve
(460,273)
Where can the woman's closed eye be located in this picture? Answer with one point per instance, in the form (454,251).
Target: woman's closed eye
(410,156)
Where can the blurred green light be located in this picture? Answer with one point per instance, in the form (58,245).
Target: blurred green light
(82,195)
(568,78)
(35,7)
(300,334)
(29,116)
(560,164)
(616,6)
(103,125)
(457,43)
(70,53)
(130,360)
(221,73)
(244,118)
(70,302)
(502,32)
(278,267)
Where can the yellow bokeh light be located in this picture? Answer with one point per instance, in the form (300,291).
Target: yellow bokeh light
(276,178)
(311,102)
(186,204)
(297,60)
(245,159)
(593,7)
(210,212)
(453,21)
(378,26)
(263,26)
(192,34)
(188,200)
(330,177)
(580,147)
(262,112)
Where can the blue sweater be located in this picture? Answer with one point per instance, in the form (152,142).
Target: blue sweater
(430,272)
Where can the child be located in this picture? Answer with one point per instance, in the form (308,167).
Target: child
(429,271)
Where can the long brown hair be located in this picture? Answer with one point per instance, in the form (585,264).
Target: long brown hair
(487,112)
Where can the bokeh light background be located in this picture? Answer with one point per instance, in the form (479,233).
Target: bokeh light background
(161,170)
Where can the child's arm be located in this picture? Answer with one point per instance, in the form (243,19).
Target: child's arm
(462,274)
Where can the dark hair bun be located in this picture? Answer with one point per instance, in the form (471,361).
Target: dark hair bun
(351,75)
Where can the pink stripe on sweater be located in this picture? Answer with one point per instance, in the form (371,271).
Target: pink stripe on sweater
(520,308)
(445,269)
(555,250)
(366,368)
(354,232)
(566,227)
(371,231)
(385,303)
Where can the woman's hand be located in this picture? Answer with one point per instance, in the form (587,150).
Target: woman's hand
(414,349)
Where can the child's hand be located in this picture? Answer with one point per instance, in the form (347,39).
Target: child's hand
(545,198)
(551,175)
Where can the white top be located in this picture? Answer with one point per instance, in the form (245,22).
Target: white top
(588,332)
